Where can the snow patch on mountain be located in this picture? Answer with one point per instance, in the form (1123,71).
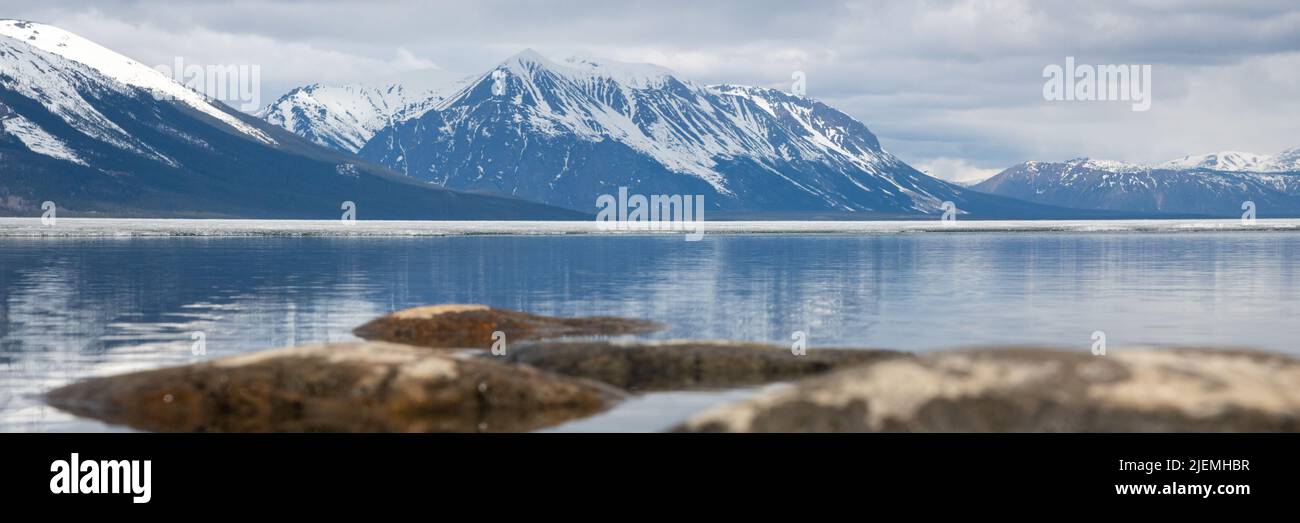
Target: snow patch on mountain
(827,135)
(120,68)
(824,137)
(37,140)
(1109,165)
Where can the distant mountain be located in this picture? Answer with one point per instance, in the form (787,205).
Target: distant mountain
(563,133)
(1285,161)
(1213,184)
(345,117)
(101,134)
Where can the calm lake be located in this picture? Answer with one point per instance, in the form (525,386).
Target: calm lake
(72,308)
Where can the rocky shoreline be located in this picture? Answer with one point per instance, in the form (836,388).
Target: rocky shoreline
(433,369)
(1033,390)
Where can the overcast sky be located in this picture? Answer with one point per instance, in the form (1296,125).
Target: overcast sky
(955,88)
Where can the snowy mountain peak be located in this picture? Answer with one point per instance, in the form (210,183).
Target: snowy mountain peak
(529,63)
(1222,161)
(551,130)
(635,75)
(344,117)
(528,54)
(1236,161)
(1226,161)
(119,68)
(526,62)
(1107,165)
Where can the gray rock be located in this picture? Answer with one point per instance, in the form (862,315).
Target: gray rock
(343,387)
(471,326)
(1028,390)
(686,364)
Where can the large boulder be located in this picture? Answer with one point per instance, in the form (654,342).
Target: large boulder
(1028,390)
(343,387)
(471,326)
(686,364)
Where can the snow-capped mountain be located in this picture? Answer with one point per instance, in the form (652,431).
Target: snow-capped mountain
(1214,184)
(345,117)
(1285,161)
(566,132)
(110,64)
(99,133)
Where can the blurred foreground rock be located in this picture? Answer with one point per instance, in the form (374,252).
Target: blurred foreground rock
(1028,390)
(686,364)
(471,326)
(344,387)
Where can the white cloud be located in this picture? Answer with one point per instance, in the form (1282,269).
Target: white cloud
(956,170)
(407,61)
(942,81)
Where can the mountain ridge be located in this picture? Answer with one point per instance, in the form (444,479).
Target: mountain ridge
(132,142)
(1185,185)
(563,132)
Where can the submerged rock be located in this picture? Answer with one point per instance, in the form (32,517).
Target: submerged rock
(344,387)
(1027,390)
(675,365)
(471,326)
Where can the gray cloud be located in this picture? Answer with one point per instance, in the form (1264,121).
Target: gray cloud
(952,85)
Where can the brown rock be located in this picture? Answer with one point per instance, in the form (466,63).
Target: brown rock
(471,326)
(344,387)
(1028,390)
(674,365)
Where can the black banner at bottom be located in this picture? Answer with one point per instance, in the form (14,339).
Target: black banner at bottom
(142,473)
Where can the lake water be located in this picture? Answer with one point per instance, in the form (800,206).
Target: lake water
(77,307)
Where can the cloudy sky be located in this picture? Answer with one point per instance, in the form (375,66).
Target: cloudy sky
(953,87)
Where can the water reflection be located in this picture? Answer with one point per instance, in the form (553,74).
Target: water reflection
(76,308)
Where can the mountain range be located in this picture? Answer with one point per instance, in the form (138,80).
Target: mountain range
(100,134)
(1215,184)
(531,138)
(565,132)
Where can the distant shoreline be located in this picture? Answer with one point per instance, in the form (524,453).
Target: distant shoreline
(135,228)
